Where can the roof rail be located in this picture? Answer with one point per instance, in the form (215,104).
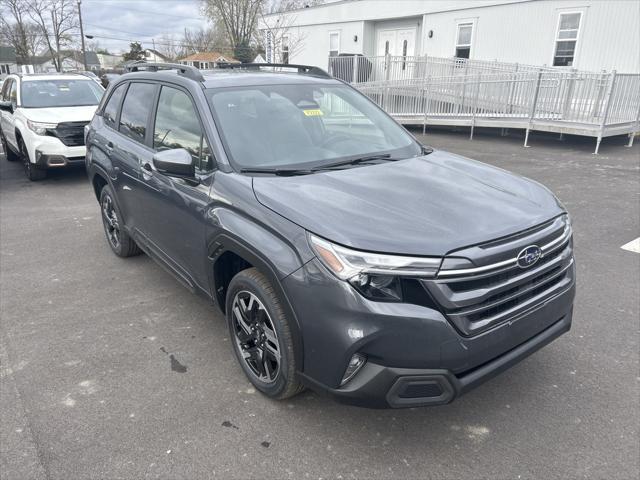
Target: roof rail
(305,69)
(190,72)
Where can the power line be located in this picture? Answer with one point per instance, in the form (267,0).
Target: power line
(117,30)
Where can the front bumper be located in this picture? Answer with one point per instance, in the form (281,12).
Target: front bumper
(48,152)
(415,356)
(377,386)
(55,161)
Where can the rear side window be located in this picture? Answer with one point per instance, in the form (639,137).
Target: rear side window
(177,126)
(111,108)
(135,110)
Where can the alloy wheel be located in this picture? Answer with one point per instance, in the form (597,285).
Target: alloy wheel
(256,337)
(110,220)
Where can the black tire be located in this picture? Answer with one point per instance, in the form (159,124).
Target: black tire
(118,239)
(284,383)
(31,170)
(9,154)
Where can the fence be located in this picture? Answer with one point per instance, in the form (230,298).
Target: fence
(430,90)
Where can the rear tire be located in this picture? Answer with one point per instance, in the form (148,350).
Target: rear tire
(261,336)
(31,170)
(118,239)
(9,154)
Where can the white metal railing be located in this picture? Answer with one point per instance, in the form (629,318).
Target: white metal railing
(427,87)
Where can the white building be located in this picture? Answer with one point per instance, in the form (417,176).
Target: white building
(585,34)
(154,56)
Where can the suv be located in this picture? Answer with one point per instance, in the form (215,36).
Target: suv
(345,256)
(42,119)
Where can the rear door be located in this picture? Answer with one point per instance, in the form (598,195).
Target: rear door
(129,148)
(174,218)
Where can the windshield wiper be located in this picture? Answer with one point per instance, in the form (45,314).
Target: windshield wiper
(356,161)
(284,172)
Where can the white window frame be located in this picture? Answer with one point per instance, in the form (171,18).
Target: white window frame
(334,32)
(577,39)
(461,23)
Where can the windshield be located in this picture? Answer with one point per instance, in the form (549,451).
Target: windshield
(271,126)
(60,93)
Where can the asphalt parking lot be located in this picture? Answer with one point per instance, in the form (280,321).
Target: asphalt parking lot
(111,369)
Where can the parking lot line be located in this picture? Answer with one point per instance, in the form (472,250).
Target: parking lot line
(632,246)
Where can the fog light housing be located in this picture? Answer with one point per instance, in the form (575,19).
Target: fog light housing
(355,364)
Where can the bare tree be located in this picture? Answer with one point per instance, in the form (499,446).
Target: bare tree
(203,40)
(239,18)
(278,36)
(17,30)
(56,20)
(171,48)
(277,6)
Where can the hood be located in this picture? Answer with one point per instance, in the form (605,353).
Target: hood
(428,205)
(60,114)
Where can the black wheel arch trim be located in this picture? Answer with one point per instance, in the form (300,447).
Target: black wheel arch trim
(225,243)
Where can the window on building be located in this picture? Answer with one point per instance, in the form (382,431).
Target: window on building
(5,69)
(135,110)
(177,126)
(285,49)
(386,47)
(111,108)
(566,39)
(463,40)
(334,44)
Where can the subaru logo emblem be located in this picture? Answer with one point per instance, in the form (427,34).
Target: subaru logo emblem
(529,256)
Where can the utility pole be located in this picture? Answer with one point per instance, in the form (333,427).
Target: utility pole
(84,52)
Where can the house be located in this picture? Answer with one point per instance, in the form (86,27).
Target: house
(153,56)
(71,60)
(8,62)
(206,60)
(109,62)
(587,35)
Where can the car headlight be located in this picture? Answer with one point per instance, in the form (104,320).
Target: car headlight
(376,275)
(40,128)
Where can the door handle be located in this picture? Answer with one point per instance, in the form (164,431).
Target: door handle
(147,170)
(109,147)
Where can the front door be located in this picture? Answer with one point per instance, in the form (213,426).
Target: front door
(400,44)
(175,208)
(9,94)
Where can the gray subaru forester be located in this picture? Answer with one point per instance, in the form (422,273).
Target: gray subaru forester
(346,257)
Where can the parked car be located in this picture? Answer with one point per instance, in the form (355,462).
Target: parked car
(42,119)
(346,256)
(107,78)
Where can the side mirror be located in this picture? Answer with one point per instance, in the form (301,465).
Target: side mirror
(6,106)
(176,162)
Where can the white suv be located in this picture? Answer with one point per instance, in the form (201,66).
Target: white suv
(42,119)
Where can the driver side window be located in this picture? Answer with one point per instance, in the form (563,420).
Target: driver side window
(177,125)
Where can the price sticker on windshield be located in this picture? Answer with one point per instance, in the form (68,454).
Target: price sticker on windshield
(313,112)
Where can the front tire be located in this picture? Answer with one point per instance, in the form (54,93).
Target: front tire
(261,335)
(119,240)
(31,170)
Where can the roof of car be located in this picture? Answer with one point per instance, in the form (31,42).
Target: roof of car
(53,76)
(222,77)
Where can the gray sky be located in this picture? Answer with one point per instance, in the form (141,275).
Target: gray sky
(138,20)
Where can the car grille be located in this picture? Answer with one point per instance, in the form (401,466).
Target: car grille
(69,133)
(476,295)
